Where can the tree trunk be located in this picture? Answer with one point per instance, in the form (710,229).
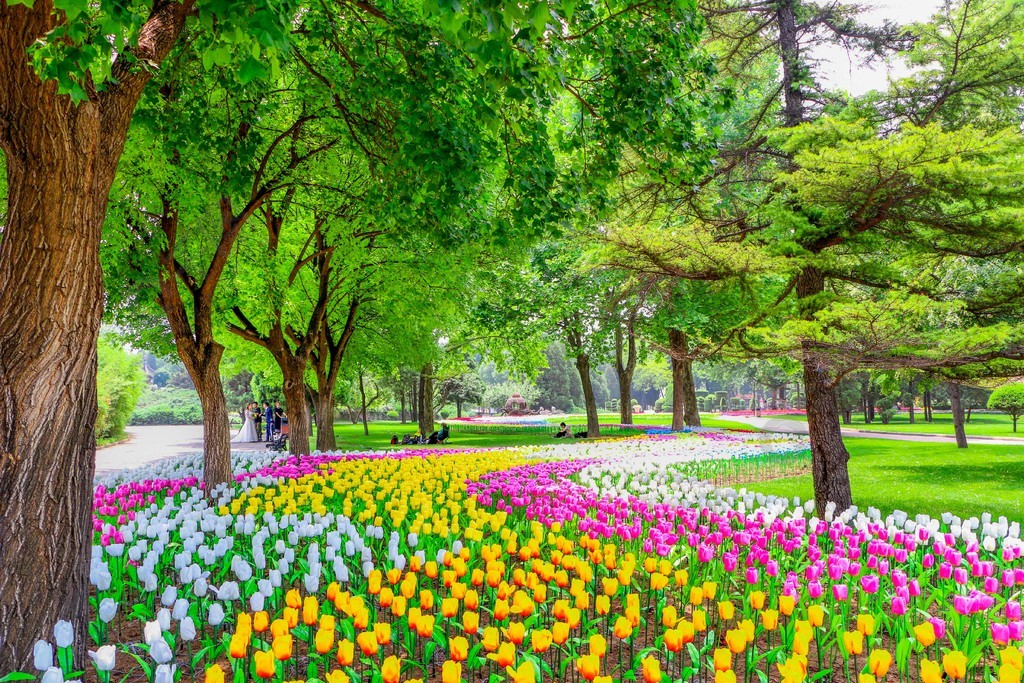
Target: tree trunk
(957,407)
(625,367)
(458,408)
(685,412)
(325,438)
(426,390)
(829,457)
(913,397)
(293,371)
(362,399)
(401,412)
(593,421)
(61,159)
(205,373)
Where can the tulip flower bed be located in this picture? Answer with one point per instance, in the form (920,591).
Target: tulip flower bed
(602,561)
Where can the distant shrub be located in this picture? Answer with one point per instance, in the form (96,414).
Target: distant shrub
(168,407)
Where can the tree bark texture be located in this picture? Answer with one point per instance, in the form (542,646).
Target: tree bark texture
(593,422)
(426,396)
(326,361)
(829,457)
(625,366)
(685,412)
(293,370)
(362,399)
(61,160)
(957,406)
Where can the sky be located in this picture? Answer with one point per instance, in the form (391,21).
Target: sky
(841,70)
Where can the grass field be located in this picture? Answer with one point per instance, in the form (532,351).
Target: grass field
(926,477)
(981,424)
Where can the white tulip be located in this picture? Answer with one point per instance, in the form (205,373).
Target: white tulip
(63,633)
(104,658)
(52,675)
(187,629)
(42,655)
(164,674)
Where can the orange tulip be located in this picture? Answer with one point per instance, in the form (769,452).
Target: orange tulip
(293,599)
(472,600)
(516,632)
(278,627)
(260,622)
(541,640)
(346,652)
(491,639)
(282,647)
(598,645)
(470,622)
(391,670)
(623,628)
(398,606)
(726,610)
(651,669)
(238,648)
(458,649)
(425,626)
(291,616)
(375,579)
(310,611)
(524,674)
(382,631)
(426,600)
(386,597)
(560,633)
(505,656)
(686,631)
(501,610)
(588,666)
(449,607)
(324,641)
(451,672)
(327,622)
(214,674)
(266,667)
(367,643)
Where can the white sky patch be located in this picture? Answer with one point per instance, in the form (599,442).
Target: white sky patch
(846,71)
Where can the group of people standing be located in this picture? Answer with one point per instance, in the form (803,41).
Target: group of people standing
(253,418)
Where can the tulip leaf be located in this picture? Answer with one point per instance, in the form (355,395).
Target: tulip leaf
(762,676)
(17,675)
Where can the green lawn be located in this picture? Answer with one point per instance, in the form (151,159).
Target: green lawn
(665,419)
(981,424)
(926,477)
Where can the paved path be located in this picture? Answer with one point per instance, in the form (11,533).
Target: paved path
(774,424)
(153,443)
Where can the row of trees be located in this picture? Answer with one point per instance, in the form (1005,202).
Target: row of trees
(309,181)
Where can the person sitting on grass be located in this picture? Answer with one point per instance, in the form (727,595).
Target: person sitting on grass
(564,432)
(440,436)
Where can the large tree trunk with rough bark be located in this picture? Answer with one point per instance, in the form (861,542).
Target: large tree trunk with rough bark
(61,160)
(685,412)
(426,400)
(829,457)
(294,388)
(205,373)
(957,406)
(593,421)
(325,437)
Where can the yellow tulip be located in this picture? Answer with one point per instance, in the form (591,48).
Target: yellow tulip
(866,624)
(726,610)
(925,633)
(725,677)
(1008,674)
(588,666)
(541,640)
(1011,656)
(770,619)
(266,667)
(598,645)
(214,674)
(722,659)
(367,643)
(879,662)
(757,599)
(651,669)
(310,611)
(505,656)
(338,676)
(623,628)
(736,640)
(853,642)
(458,649)
(524,674)
(391,670)
(451,672)
(955,664)
(816,615)
(346,652)
(930,672)
(324,641)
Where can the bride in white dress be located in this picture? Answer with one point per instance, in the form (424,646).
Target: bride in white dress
(247,434)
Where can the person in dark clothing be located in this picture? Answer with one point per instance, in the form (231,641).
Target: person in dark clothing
(439,436)
(268,415)
(563,432)
(257,417)
(278,416)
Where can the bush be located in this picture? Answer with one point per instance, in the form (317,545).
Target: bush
(393,414)
(659,405)
(168,407)
(119,384)
(1008,399)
